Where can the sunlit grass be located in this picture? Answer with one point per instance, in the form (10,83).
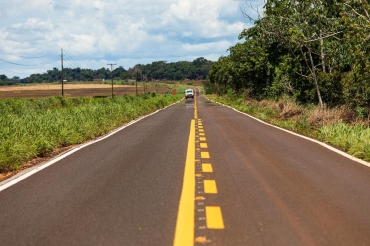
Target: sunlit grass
(352,136)
(34,127)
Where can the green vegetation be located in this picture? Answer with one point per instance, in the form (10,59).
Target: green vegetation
(32,128)
(338,126)
(313,51)
(304,66)
(159,70)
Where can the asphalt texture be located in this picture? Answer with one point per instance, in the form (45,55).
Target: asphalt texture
(124,190)
(273,188)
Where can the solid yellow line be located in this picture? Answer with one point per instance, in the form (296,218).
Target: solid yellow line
(203,145)
(204,155)
(184,233)
(207,168)
(214,217)
(210,187)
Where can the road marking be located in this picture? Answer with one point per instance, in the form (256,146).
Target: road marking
(201,130)
(201,134)
(203,145)
(204,155)
(31,171)
(214,217)
(207,168)
(184,233)
(210,187)
(202,139)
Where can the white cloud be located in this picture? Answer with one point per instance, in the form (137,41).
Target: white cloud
(140,31)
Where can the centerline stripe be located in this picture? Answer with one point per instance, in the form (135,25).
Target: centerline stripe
(214,217)
(207,168)
(184,233)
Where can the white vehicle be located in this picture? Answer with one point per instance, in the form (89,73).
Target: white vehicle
(189,93)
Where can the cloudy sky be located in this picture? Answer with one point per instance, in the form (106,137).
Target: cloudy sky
(94,33)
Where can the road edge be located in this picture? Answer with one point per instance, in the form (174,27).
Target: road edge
(365,163)
(37,168)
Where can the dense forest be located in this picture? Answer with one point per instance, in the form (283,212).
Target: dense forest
(313,51)
(159,70)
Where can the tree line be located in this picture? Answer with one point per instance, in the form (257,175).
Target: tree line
(314,51)
(158,70)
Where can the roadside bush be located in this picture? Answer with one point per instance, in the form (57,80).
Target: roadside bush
(341,126)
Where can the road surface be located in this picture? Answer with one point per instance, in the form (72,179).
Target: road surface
(195,173)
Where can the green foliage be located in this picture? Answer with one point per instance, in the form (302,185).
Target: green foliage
(159,70)
(34,127)
(351,138)
(313,51)
(354,139)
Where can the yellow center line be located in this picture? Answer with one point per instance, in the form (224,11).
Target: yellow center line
(214,217)
(203,145)
(210,187)
(204,155)
(184,233)
(207,168)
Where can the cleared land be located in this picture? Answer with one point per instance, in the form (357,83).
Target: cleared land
(74,90)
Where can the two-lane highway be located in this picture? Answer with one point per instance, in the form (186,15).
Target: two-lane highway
(196,173)
(123,190)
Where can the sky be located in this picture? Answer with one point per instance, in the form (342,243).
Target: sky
(93,33)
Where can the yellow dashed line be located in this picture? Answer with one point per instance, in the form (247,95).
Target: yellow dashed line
(203,145)
(201,130)
(210,187)
(207,168)
(214,217)
(202,139)
(204,155)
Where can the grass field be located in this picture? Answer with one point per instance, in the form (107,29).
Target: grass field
(76,90)
(36,128)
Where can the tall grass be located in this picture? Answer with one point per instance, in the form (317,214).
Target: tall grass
(354,139)
(339,127)
(31,128)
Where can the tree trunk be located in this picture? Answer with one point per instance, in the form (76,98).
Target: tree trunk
(315,80)
(322,53)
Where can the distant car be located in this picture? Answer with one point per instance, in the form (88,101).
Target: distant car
(189,93)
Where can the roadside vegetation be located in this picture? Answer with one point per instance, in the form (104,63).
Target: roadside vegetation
(340,127)
(304,66)
(31,128)
(156,71)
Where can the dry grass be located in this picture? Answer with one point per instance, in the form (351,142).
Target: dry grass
(316,117)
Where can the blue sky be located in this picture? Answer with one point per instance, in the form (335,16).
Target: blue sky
(94,33)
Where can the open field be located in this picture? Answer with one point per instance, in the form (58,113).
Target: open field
(31,129)
(74,90)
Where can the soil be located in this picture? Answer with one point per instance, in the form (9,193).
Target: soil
(74,90)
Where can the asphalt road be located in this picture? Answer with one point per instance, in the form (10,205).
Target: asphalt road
(253,185)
